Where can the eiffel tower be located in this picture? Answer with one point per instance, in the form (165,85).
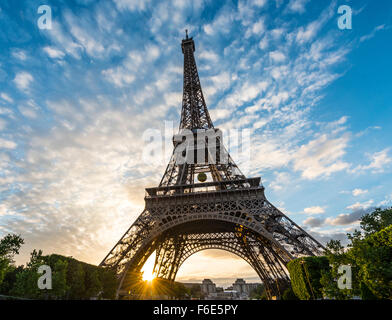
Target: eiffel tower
(201,205)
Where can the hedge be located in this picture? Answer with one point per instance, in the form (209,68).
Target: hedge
(305,274)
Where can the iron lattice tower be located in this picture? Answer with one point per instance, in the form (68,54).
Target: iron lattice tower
(228,211)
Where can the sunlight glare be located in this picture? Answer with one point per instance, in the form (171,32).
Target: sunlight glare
(148,268)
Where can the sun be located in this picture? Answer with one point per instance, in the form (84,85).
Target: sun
(148,268)
(148,276)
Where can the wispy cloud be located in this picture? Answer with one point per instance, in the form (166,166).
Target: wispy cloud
(378,162)
(297,6)
(373,33)
(54,53)
(359,192)
(23,80)
(314,210)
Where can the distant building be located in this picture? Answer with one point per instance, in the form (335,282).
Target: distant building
(244,288)
(208,287)
(240,290)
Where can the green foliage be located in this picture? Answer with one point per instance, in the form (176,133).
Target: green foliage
(59,280)
(85,281)
(258,293)
(93,286)
(366,294)
(369,255)
(305,274)
(26,281)
(9,280)
(336,256)
(289,294)
(75,280)
(71,279)
(9,246)
(180,291)
(372,256)
(376,221)
(109,283)
(195,292)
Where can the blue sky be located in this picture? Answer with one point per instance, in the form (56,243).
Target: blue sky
(76,99)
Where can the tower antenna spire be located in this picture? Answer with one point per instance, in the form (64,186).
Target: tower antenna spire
(186,33)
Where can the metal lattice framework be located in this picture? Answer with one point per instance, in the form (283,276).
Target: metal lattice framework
(229,212)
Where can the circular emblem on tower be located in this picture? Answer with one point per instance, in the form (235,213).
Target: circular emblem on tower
(202,177)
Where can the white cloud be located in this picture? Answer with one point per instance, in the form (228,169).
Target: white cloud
(244,94)
(218,114)
(282,179)
(259,3)
(119,77)
(131,5)
(305,34)
(209,55)
(387,201)
(7,144)
(297,6)
(358,192)
(63,40)
(263,43)
(277,56)
(216,84)
(314,210)
(19,54)
(321,157)
(363,205)
(54,53)
(3,124)
(27,112)
(86,39)
(23,80)
(30,109)
(379,161)
(372,34)
(6,97)
(221,24)
(258,27)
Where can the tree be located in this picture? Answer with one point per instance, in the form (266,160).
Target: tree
(75,280)
(26,281)
(258,292)
(59,278)
(376,221)
(180,291)
(9,247)
(369,254)
(93,285)
(372,257)
(195,291)
(109,282)
(10,279)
